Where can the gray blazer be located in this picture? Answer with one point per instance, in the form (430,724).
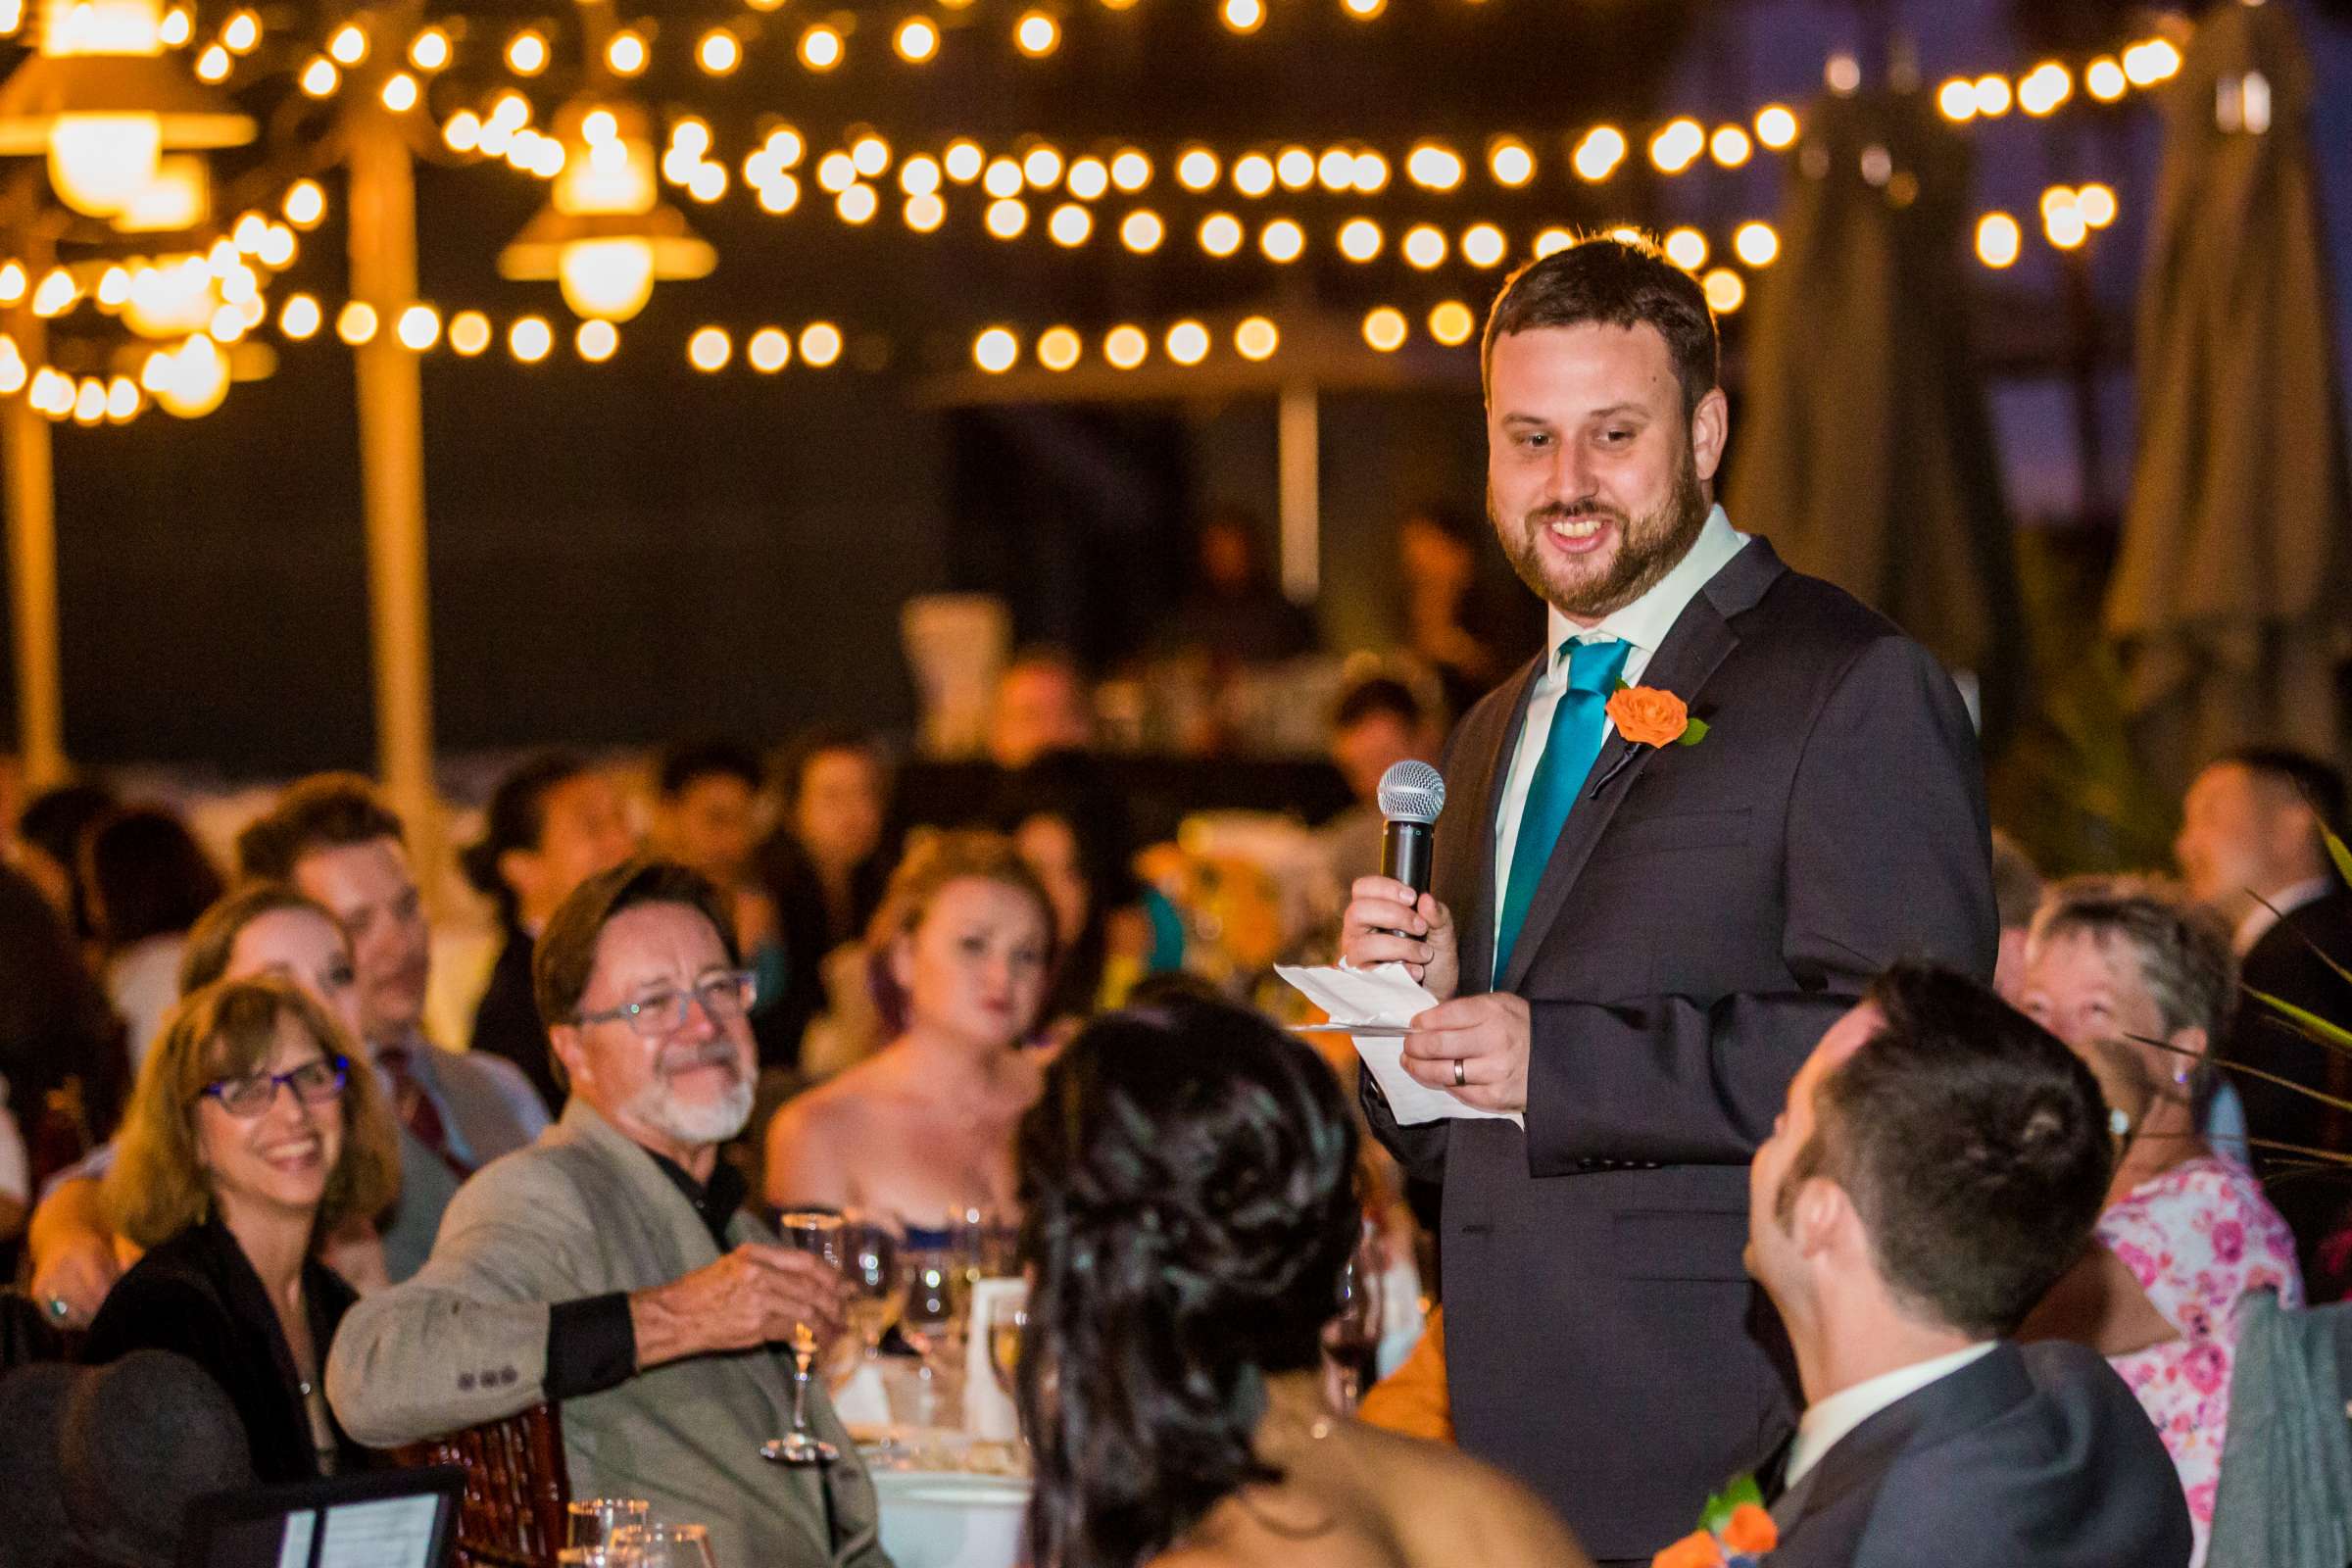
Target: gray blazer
(580,1212)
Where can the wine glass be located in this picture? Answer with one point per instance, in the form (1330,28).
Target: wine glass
(1351,1338)
(815,1231)
(594,1521)
(869,1261)
(1007,1323)
(665,1546)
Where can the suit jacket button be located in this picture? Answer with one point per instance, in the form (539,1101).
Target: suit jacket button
(465,1382)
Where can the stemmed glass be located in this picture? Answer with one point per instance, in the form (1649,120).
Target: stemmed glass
(1351,1338)
(664,1545)
(1007,1323)
(818,1233)
(869,1261)
(593,1522)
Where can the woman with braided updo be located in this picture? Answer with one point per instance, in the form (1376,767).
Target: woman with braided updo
(1187,1180)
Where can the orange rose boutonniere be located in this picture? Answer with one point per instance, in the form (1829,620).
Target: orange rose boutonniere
(1648,716)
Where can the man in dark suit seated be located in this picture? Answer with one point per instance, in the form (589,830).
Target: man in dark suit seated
(1940,1163)
(2250,845)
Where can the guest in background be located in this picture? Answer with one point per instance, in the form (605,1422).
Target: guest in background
(261,929)
(1110,929)
(823,869)
(1188,1178)
(706,818)
(2140,983)
(332,837)
(148,880)
(610,1269)
(552,823)
(2015,895)
(1937,1164)
(1043,703)
(1235,613)
(252,1131)
(1469,636)
(60,1046)
(2251,847)
(962,948)
(16,1172)
(1377,723)
(49,839)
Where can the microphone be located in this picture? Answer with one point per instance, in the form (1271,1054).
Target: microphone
(1412,795)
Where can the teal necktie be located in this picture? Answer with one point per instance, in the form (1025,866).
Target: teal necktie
(1569,751)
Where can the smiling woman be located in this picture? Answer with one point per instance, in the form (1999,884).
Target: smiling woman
(247,1135)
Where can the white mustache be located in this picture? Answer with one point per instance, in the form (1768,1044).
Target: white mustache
(711,1053)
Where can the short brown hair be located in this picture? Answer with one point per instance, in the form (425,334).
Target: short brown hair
(324,812)
(1616,282)
(564,960)
(2180,948)
(930,866)
(157,1188)
(1972,1145)
(204,958)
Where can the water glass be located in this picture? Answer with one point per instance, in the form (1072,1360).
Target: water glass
(870,1264)
(665,1546)
(815,1231)
(593,1521)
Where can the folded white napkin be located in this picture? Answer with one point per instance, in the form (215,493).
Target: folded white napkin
(1373,1006)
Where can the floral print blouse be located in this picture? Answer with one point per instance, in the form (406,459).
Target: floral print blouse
(2199,1239)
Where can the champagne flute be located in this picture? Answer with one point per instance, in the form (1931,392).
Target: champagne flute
(1351,1338)
(815,1231)
(594,1521)
(870,1263)
(665,1546)
(1007,1323)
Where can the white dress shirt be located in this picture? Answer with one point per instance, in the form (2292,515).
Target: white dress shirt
(1821,1427)
(1644,623)
(2285,902)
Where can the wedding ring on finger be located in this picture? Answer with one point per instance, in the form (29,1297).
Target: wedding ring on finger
(1461,1074)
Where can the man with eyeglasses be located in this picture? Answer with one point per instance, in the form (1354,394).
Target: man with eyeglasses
(609,1267)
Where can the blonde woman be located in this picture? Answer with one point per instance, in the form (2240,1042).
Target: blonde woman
(249,1136)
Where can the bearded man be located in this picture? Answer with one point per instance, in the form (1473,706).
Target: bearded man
(1680,843)
(609,1268)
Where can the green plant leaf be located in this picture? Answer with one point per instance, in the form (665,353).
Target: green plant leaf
(2311,1026)
(2337,850)
(1697,732)
(1722,1505)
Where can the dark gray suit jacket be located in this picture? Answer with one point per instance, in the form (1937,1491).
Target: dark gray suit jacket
(2037,1457)
(1707,911)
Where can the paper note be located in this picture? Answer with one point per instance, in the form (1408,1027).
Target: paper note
(390,1532)
(1373,1006)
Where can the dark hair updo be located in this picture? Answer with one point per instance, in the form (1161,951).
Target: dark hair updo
(1187,1180)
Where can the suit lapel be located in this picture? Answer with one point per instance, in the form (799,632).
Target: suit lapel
(1488,759)
(1700,640)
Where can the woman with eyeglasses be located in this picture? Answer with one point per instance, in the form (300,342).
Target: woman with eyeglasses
(248,1138)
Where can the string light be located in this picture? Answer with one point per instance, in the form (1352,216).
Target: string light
(212,66)
(1510,163)
(858,204)
(526,52)
(596,341)
(1197,168)
(1776,126)
(963,161)
(925,213)
(1058,348)
(1371,172)
(299,317)
(1089,178)
(625,53)
(2149,63)
(530,339)
(419,327)
(1993,96)
(1483,245)
(1336,169)
(1125,347)
(916,40)
(919,175)
(2042,89)
(1131,171)
(1687,248)
(429,49)
(995,350)
(56,295)
(1678,146)
(1956,99)
(400,92)
(2104,80)
(1730,146)
(1006,217)
(1552,241)
(769,351)
(464,133)
(1434,166)
(1725,291)
(470,332)
(1070,224)
(836,172)
(1385,328)
(821,50)
(1188,342)
(320,77)
(1255,338)
(1282,241)
(1998,240)
(1359,239)
(1041,167)
(1757,244)
(1254,175)
(13,282)
(241,34)
(173,32)
(1451,324)
(1141,231)
(1243,15)
(1003,178)
(1220,234)
(1598,154)
(719,52)
(2096,203)
(1036,34)
(1424,246)
(820,344)
(871,155)
(709,349)
(348,46)
(355,322)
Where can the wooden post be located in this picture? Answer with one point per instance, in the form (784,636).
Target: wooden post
(391,409)
(32,572)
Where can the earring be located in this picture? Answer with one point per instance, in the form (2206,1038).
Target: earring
(2181,1075)
(2119,1123)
